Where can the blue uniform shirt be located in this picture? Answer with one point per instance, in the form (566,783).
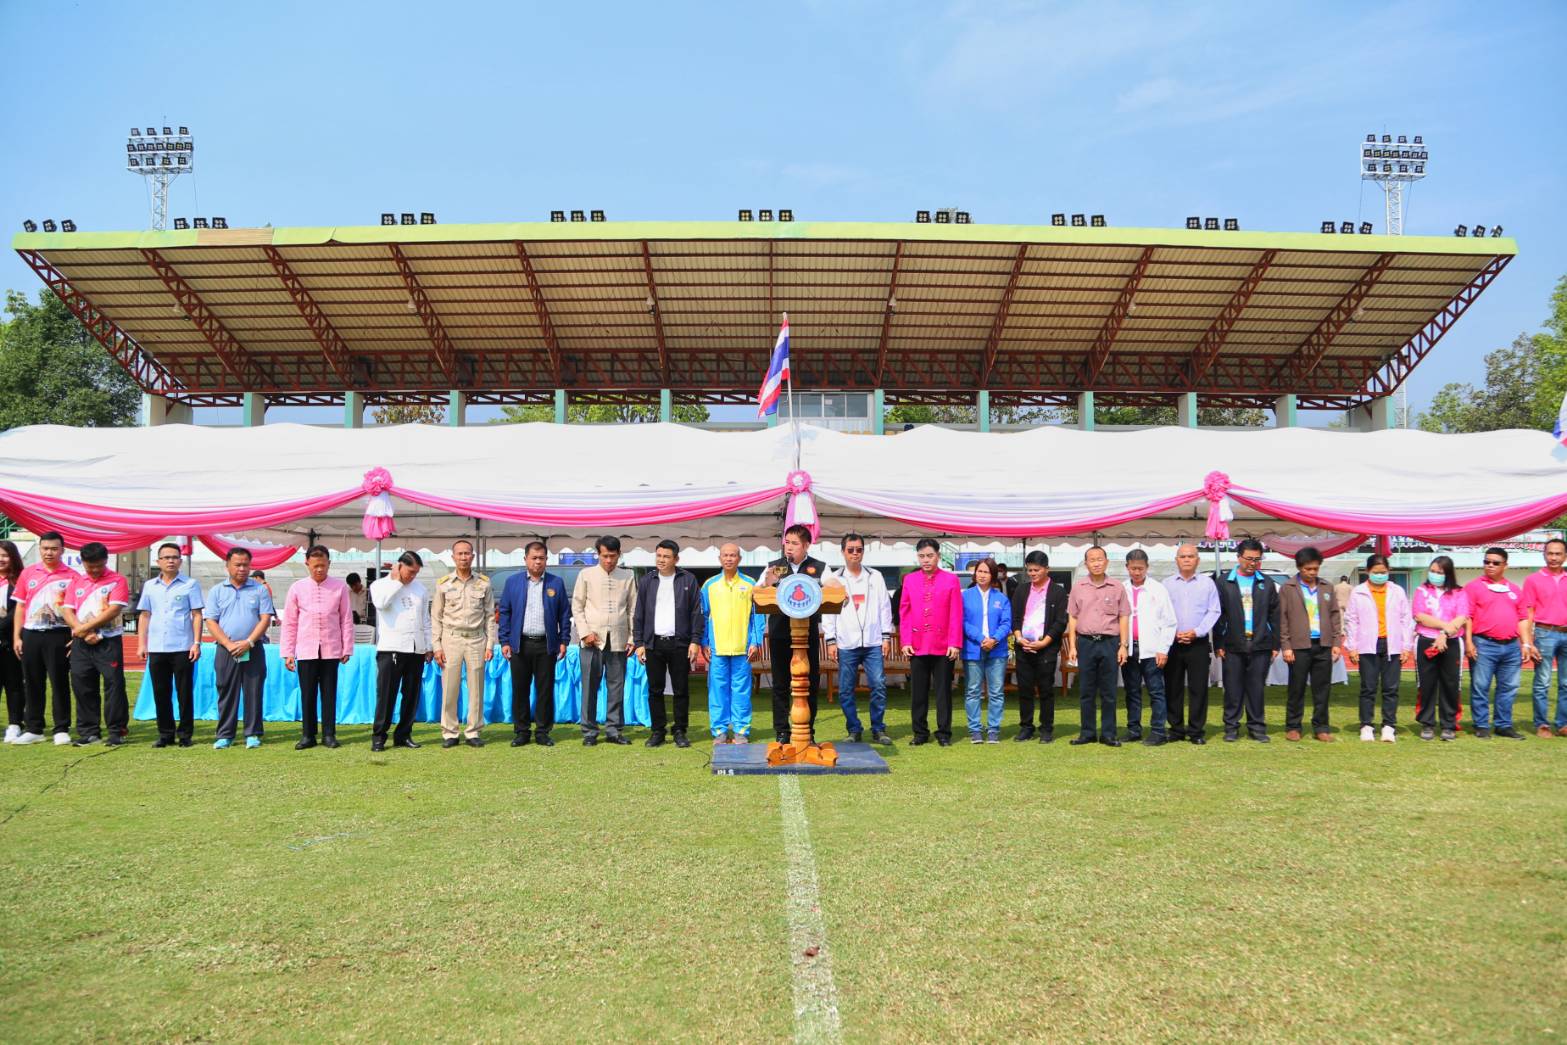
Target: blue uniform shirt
(238,610)
(168,629)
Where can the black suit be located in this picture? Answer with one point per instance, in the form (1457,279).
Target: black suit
(1036,672)
(668,655)
(1246,657)
(778,647)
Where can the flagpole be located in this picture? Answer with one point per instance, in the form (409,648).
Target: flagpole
(794,418)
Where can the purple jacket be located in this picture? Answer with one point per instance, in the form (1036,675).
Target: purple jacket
(930,613)
(1360,621)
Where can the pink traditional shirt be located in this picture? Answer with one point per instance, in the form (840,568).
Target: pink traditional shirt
(1495,613)
(318,620)
(88,597)
(930,612)
(1546,594)
(1443,605)
(41,594)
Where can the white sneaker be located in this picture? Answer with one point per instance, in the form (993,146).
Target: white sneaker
(1367,733)
(62,739)
(29,738)
(1388,735)
(11,733)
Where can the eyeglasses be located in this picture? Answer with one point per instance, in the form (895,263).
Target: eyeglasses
(1252,559)
(1496,562)
(170,558)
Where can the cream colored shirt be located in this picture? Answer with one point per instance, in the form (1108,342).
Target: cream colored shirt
(602,603)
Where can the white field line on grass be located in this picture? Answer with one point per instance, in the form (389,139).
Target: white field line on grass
(815,997)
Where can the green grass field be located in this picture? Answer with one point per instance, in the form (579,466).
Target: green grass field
(1407,892)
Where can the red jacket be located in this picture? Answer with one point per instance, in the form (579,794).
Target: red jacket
(930,612)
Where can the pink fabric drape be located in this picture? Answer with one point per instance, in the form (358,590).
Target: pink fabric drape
(1443,527)
(262,556)
(979,523)
(1329,544)
(608,517)
(107,518)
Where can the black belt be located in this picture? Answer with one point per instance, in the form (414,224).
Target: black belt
(1549,627)
(1493,638)
(1098,638)
(536,638)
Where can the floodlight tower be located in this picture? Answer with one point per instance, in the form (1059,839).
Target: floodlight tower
(160,158)
(1393,165)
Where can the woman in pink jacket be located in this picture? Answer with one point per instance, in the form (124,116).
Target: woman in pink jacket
(1378,629)
(930,622)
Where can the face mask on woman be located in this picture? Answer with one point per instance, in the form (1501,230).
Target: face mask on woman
(1377,578)
(1436,578)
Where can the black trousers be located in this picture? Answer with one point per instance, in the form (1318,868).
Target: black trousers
(1438,677)
(672,657)
(1036,679)
(533,664)
(98,677)
(1186,688)
(1096,671)
(1245,676)
(779,650)
(318,677)
(1313,666)
(396,673)
(172,673)
(11,677)
(240,681)
(45,666)
(930,674)
(1379,672)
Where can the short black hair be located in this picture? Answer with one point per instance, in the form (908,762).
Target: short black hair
(236,550)
(171,544)
(1037,558)
(1249,544)
(352,577)
(607,543)
(1095,548)
(927,542)
(1497,550)
(95,551)
(462,540)
(317,551)
(51,535)
(669,546)
(801,531)
(1136,555)
(1375,559)
(1307,556)
(1557,540)
(851,537)
(540,545)
(411,558)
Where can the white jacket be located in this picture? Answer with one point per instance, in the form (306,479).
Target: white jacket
(402,621)
(859,627)
(1155,616)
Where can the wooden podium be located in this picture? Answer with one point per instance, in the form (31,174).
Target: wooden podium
(800,748)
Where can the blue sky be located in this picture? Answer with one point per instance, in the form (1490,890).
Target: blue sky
(328,113)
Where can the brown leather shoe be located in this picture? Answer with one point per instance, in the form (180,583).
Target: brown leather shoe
(1326,738)
(1293,734)
(1543,731)
(1562,732)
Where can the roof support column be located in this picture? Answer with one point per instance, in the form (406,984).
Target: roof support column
(253,412)
(1085,411)
(158,410)
(879,412)
(353,410)
(982,409)
(1375,416)
(1186,409)
(456,408)
(560,406)
(1284,411)
(666,405)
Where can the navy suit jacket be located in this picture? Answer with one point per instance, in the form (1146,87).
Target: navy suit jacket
(557,610)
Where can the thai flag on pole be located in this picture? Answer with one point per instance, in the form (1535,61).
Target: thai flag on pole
(777,375)
(1560,430)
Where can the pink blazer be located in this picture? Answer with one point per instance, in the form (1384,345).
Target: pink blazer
(318,622)
(930,614)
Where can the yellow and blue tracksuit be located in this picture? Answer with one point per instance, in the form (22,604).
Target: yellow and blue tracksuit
(733,626)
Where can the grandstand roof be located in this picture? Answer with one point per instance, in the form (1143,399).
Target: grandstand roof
(929,312)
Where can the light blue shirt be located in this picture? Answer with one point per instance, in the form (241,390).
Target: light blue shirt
(239,610)
(533,608)
(1246,584)
(169,628)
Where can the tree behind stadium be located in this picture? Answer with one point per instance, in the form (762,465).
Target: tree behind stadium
(53,372)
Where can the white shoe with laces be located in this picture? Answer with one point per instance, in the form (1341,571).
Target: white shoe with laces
(1368,734)
(29,738)
(62,739)
(1388,735)
(11,733)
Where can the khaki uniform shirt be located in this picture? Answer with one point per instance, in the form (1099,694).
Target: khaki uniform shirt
(466,609)
(602,603)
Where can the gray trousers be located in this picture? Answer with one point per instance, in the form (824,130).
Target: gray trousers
(609,665)
(238,679)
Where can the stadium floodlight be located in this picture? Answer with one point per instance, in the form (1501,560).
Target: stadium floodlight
(577,215)
(168,161)
(1328,226)
(922,217)
(1393,171)
(785,214)
(1461,230)
(29,225)
(67,225)
(1097,221)
(1194,223)
(1365,228)
(595,215)
(745,214)
(1079,221)
(388,218)
(184,132)
(1231,225)
(943,217)
(160,159)
(557,215)
(405,217)
(181,224)
(1386,138)
(149,132)
(764,214)
(132,162)
(1058,220)
(1211,224)
(426,218)
(220,223)
(199,223)
(1479,232)
(1347,228)
(49,225)
(962,217)
(135,132)
(184,161)
(1496,230)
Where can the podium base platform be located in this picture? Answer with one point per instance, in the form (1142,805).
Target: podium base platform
(751,760)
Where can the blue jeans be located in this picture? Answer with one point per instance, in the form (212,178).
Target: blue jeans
(850,661)
(1551,644)
(982,677)
(1136,673)
(1502,661)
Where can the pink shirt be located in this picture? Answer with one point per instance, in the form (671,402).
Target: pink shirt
(88,597)
(318,621)
(41,594)
(1496,614)
(1443,605)
(1546,594)
(930,612)
(1098,608)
